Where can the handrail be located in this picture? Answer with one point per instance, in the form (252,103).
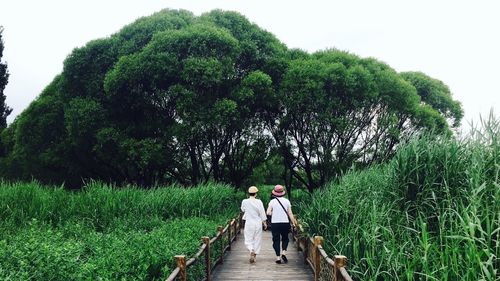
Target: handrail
(214,239)
(315,256)
(232,228)
(174,274)
(202,248)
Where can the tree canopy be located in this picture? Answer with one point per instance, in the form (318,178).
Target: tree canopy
(178,98)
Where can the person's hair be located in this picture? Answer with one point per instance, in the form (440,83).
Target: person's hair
(252,194)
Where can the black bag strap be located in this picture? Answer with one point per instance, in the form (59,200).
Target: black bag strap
(289,220)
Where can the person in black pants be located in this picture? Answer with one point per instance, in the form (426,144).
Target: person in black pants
(280,210)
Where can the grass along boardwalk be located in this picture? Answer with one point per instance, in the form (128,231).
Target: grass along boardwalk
(236,264)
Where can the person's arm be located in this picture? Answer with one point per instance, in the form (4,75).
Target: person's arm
(242,206)
(262,215)
(269,209)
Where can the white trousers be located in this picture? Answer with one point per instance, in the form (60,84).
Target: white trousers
(253,235)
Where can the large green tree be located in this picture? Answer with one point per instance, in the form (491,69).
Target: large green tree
(201,89)
(341,110)
(84,135)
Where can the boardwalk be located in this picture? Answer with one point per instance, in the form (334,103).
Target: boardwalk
(237,267)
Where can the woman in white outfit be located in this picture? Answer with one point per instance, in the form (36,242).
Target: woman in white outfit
(255,218)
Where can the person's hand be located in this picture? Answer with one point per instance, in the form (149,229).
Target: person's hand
(264,225)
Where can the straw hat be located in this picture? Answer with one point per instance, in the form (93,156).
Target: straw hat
(253,189)
(279,190)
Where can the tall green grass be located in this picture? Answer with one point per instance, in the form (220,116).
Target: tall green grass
(104,232)
(432,213)
(76,252)
(100,204)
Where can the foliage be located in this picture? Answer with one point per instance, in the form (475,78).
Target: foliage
(174,98)
(340,109)
(104,232)
(431,213)
(436,94)
(269,172)
(76,252)
(4,78)
(100,204)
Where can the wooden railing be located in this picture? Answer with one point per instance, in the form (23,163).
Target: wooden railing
(213,251)
(324,267)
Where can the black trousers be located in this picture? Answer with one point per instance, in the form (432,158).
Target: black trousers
(280,233)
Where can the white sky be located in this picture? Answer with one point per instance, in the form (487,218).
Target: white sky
(457,42)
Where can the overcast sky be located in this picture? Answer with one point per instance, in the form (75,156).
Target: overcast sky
(457,42)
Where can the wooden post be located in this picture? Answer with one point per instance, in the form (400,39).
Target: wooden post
(241,222)
(235,229)
(208,267)
(296,232)
(318,241)
(229,233)
(305,251)
(219,228)
(181,264)
(340,261)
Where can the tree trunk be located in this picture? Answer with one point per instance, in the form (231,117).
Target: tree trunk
(195,173)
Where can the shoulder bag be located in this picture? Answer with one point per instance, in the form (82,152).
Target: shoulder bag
(289,220)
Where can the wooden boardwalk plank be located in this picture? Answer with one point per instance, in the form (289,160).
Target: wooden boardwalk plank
(236,265)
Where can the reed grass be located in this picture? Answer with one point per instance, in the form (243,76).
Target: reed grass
(432,213)
(105,232)
(100,204)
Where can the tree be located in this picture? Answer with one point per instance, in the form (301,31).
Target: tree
(201,91)
(79,127)
(4,78)
(251,144)
(341,110)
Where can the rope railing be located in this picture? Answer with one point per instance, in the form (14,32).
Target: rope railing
(210,254)
(315,256)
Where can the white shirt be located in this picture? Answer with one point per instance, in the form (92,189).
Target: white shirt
(254,210)
(278,214)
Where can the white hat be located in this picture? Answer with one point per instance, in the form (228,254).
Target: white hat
(253,189)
